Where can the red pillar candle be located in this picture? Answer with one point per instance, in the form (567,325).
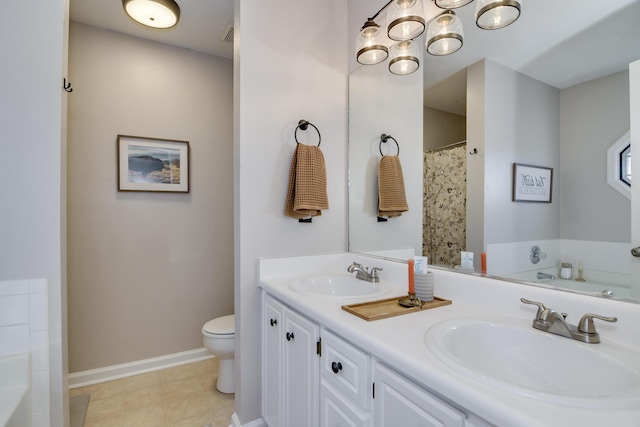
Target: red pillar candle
(412,289)
(483,262)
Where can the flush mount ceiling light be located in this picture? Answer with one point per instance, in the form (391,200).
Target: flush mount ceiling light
(405,19)
(444,35)
(496,14)
(161,14)
(370,47)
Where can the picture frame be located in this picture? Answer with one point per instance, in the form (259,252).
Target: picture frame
(532,183)
(152,164)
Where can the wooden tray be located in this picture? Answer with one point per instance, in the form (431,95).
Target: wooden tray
(375,310)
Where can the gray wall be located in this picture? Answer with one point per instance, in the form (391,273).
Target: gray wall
(279,80)
(32,117)
(593,116)
(146,270)
(511,118)
(634,86)
(372,113)
(476,136)
(521,126)
(441,128)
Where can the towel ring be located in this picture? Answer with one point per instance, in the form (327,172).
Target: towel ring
(303,124)
(384,138)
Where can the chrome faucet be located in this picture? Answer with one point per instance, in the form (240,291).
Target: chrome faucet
(549,320)
(546,276)
(363,273)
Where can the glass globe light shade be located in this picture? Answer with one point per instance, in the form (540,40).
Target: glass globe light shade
(451,4)
(444,35)
(404,57)
(496,14)
(370,48)
(405,19)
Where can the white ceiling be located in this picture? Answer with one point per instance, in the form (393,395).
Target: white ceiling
(562,43)
(559,42)
(202,23)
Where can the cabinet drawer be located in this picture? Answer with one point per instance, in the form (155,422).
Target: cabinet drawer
(346,369)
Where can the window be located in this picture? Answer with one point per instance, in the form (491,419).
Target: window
(619,165)
(625,165)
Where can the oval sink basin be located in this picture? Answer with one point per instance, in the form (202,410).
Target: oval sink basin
(537,364)
(338,286)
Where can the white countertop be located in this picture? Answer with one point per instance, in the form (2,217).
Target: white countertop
(400,341)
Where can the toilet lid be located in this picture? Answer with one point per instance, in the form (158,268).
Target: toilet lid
(221,326)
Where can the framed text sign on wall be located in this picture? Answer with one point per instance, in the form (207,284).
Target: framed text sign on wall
(151,164)
(532,183)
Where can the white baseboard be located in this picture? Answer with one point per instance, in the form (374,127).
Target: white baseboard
(93,376)
(235,422)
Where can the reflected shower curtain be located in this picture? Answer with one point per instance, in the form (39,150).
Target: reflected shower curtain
(445,201)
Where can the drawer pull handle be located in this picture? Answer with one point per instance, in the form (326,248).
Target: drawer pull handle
(336,367)
(274,322)
(289,336)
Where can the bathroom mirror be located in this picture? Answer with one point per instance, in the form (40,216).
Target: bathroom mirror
(533,109)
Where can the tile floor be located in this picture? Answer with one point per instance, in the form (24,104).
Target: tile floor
(182,396)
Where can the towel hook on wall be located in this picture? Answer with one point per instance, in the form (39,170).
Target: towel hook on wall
(66,85)
(474,152)
(303,125)
(383,138)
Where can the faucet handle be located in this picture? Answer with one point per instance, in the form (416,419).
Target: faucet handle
(353,266)
(374,272)
(541,307)
(586,325)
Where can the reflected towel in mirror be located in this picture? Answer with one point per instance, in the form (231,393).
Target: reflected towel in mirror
(307,191)
(392,200)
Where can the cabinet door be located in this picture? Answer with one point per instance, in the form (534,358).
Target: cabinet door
(335,411)
(346,369)
(301,371)
(272,336)
(399,402)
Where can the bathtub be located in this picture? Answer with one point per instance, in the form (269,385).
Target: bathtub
(15,390)
(596,282)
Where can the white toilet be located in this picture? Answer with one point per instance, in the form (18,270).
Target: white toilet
(218,336)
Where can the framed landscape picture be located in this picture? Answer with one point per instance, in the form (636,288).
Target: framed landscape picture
(532,183)
(152,164)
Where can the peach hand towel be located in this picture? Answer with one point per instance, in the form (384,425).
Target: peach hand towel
(307,191)
(392,200)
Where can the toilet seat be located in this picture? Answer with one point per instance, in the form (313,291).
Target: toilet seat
(223,327)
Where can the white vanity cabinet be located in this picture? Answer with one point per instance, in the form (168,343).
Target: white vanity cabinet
(346,387)
(397,398)
(290,367)
(312,377)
